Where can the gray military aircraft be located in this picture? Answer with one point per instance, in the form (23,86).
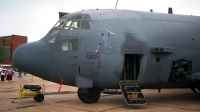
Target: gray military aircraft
(117,49)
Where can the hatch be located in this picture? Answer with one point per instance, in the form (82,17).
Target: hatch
(132,66)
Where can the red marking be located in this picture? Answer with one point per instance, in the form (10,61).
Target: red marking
(60,85)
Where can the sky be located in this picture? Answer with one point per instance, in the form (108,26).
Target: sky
(34,18)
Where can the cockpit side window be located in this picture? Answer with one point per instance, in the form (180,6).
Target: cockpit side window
(69,44)
(53,36)
(52,40)
(60,23)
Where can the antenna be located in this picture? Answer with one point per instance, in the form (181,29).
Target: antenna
(116,4)
(170,11)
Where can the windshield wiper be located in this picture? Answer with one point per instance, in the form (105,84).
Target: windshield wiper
(59,25)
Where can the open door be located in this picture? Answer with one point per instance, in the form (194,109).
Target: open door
(128,84)
(132,66)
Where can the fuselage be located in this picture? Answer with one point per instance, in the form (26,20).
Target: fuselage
(100,44)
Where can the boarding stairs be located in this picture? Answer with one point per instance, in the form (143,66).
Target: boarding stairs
(132,93)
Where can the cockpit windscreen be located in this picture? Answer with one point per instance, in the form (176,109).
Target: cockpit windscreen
(75,22)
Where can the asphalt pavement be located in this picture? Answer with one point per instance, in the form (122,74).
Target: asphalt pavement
(169,100)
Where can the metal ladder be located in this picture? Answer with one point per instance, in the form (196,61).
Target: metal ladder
(132,93)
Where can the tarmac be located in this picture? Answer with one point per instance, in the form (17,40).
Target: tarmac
(170,100)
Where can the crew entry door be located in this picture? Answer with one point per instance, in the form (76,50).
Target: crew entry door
(132,66)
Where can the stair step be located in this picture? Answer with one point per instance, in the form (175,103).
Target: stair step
(137,102)
(133,81)
(131,86)
(132,93)
(138,99)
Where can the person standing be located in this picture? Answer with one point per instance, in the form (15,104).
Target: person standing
(20,74)
(3,74)
(9,74)
(1,68)
(5,68)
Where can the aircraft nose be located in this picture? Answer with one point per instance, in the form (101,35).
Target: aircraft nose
(34,58)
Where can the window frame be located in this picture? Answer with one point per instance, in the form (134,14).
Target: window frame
(8,49)
(61,21)
(69,49)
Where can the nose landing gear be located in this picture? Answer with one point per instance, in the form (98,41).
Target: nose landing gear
(89,95)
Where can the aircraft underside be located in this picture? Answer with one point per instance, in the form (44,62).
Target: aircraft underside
(179,77)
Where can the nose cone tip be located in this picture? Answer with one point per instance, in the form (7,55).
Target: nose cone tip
(16,56)
(34,57)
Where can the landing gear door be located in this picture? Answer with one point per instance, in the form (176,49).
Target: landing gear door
(165,74)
